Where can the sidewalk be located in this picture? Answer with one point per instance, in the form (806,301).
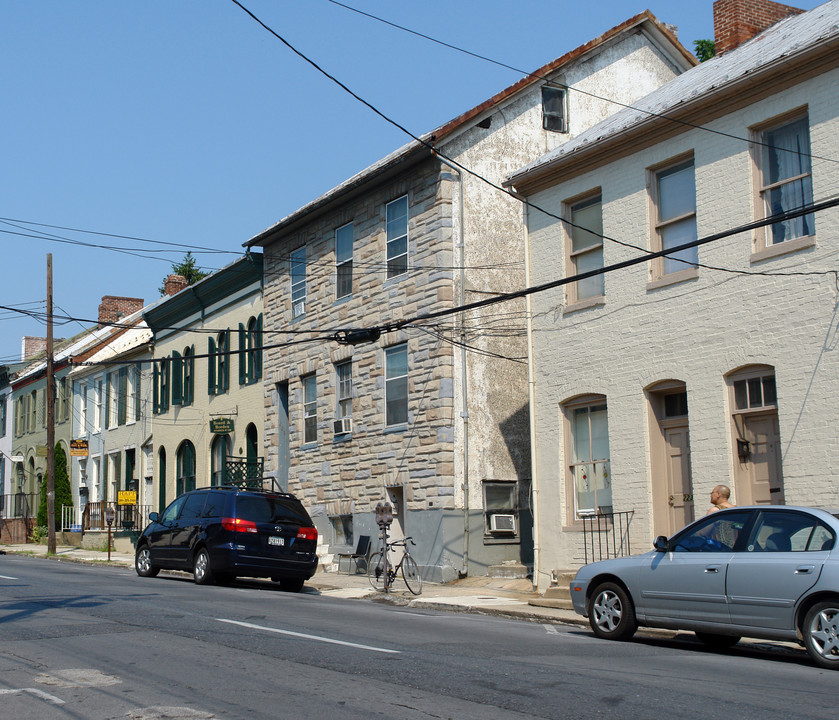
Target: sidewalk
(485,595)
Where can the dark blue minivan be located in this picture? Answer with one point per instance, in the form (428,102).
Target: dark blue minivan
(223,532)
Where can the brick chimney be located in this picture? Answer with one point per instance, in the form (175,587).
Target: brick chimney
(174,284)
(113,308)
(31,346)
(736,21)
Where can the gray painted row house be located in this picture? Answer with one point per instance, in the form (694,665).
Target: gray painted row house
(432,417)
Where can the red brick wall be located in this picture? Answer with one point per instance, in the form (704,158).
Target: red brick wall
(736,21)
(32,346)
(113,308)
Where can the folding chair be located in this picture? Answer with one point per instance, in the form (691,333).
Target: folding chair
(361,553)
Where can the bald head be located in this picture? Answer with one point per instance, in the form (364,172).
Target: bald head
(723,491)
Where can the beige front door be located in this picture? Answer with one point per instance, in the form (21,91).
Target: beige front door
(761,470)
(679,484)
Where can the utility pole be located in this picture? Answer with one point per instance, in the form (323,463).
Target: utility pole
(50,418)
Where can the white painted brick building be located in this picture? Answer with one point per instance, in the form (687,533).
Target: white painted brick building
(672,377)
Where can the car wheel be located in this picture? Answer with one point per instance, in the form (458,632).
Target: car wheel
(611,614)
(142,562)
(201,570)
(291,584)
(717,642)
(821,634)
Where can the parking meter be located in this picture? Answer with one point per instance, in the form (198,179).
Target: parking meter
(110,516)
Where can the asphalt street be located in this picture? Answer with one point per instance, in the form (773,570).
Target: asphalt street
(99,642)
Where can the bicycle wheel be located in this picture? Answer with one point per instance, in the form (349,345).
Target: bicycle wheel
(376,571)
(411,575)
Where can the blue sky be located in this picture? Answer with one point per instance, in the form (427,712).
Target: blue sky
(183,121)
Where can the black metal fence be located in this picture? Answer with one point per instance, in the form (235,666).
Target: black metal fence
(606,535)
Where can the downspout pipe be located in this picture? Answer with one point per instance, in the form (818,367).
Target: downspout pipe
(464,384)
(531,388)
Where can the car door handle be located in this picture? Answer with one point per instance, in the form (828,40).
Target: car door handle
(804,569)
(712,568)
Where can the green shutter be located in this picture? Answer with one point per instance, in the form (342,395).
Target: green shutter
(243,356)
(137,395)
(107,414)
(189,392)
(212,360)
(257,364)
(224,381)
(155,403)
(122,396)
(177,376)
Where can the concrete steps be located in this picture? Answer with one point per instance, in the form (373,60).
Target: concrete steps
(559,595)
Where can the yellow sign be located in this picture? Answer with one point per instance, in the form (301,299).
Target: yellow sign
(41,450)
(78,448)
(127,497)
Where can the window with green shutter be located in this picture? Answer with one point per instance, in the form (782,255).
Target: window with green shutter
(177,378)
(122,396)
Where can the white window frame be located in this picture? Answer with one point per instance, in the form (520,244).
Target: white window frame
(553,120)
(310,408)
(97,404)
(343,262)
(397,259)
(394,380)
(575,229)
(764,244)
(343,389)
(82,408)
(297,273)
(665,270)
(588,469)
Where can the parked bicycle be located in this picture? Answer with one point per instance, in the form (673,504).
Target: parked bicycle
(410,571)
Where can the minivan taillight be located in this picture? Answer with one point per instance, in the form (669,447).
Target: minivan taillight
(238,525)
(307,533)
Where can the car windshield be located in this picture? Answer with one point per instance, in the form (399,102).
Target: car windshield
(271,509)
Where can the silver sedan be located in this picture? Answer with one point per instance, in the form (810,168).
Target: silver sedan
(762,572)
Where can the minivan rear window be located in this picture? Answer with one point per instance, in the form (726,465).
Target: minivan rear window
(271,509)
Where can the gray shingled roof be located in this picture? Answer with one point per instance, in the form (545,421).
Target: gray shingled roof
(786,38)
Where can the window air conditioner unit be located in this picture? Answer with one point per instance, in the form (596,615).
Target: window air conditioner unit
(502,523)
(342,426)
(299,308)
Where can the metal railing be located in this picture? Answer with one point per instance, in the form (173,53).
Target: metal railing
(92,517)
(244,472)
(606,535)
(19,505)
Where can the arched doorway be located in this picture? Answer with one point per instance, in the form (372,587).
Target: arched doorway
(672,484)
(185,479)
(758,471)
(161,479)
(252,452)
(219,452)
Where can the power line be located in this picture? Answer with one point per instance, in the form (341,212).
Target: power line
(454,162)
(562,86)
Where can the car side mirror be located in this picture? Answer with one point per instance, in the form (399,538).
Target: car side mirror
(660,543)
(154,517)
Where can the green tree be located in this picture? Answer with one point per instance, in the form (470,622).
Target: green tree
(63,492)
(188,269)
(704,49)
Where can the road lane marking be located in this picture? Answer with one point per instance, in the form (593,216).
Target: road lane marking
(6,577)
(309,637)
(37,693)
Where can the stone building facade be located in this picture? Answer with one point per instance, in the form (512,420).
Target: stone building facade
(430,415)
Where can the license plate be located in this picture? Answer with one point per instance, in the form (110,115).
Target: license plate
(274,540)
